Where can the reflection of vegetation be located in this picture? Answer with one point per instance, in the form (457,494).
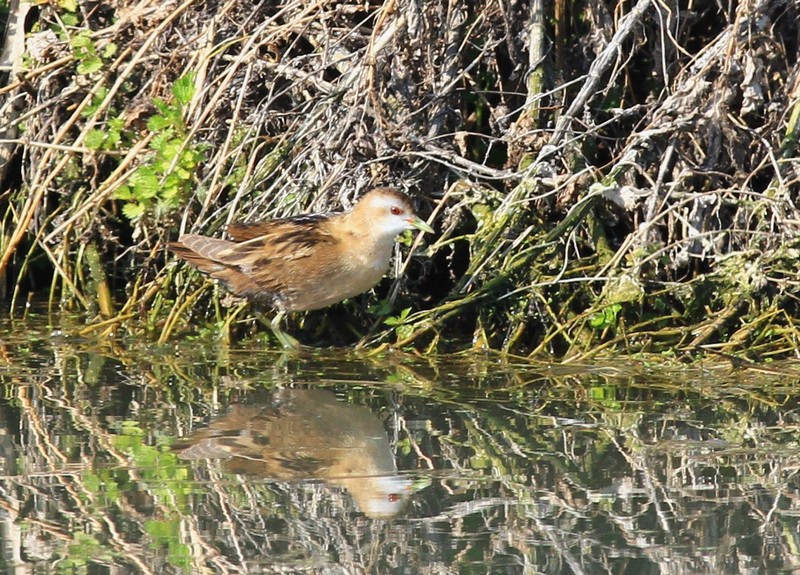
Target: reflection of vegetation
(599,467)
(81,552)
(168,533)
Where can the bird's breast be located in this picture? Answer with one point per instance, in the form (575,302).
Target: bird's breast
(367,267)
(347,274)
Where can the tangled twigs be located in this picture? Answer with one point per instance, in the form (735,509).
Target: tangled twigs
(616,195)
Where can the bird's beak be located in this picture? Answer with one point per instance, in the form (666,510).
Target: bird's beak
(417,223)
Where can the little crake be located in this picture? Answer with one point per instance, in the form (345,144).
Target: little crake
(306,262)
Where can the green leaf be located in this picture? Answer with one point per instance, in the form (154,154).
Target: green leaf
(381,308)
(397,320)
(170,192)
(97,100)
(160,142)
(123,193)
(172,184)
(406,238)
(70,19)
(605,318)
(109,50)
(161,106)
(91,482)
(144,183)
(94,139)
(116,124)
(183,89)
(89,65)
(133,211)
(175,117)
(157,122)
(82,41)
(404,331)
(131,427)
(171,149)
(190,159)
(113,137)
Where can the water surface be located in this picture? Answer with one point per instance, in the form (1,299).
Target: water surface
(123,457)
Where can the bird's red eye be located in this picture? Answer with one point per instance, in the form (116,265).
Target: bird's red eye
(395,211)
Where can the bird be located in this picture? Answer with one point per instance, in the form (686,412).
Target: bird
(301,435)
(305,262)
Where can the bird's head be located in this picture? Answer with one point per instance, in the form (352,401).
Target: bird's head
(389,212)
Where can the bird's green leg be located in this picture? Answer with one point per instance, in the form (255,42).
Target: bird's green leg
(286,341)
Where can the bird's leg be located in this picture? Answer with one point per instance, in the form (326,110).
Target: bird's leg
(287,341)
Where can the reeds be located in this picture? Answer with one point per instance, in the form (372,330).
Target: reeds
(600,182)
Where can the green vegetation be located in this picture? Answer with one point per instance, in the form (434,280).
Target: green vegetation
(162,182)
(637,194)
(86,53)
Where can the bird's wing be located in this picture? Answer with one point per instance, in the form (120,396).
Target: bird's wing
(259,245)
(203,253)
(265,266)
(241,232)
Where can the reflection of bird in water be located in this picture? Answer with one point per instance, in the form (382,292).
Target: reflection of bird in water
(307,434)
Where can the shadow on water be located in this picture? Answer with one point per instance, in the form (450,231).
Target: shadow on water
(122,458)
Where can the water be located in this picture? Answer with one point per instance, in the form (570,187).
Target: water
(122,457)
